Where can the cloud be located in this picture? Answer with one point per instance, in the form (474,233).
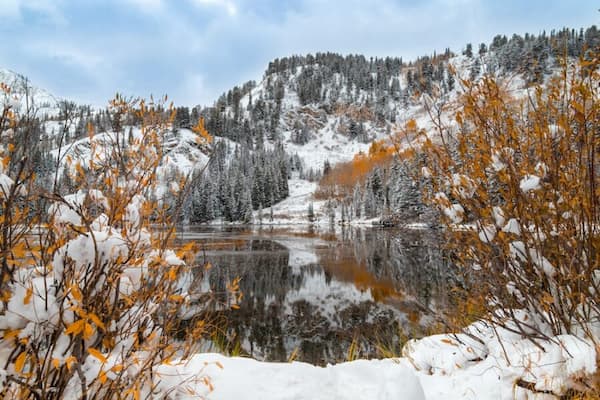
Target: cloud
(195,50)
(147,6)
(228,5)
(49,9)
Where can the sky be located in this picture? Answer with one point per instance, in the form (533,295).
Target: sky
(194,50)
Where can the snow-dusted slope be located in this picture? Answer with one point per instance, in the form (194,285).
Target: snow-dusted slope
(23,93)
(180,149)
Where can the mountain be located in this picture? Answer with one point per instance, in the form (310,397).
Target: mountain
(325,108)
(276,138)
(23,93)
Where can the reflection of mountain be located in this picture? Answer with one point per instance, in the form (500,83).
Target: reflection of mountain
(318,309)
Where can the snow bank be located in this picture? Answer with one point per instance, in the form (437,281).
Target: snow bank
(488,362)
(235,378)
(484,363)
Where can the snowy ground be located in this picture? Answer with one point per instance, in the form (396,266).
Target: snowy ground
(294,209)
(436,367)
(240,378)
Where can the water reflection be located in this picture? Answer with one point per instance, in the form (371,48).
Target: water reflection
(323,297)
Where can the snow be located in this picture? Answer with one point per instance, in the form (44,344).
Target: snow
(512,226)
(45,102)
(498,215)
(487,233)
(529,183)
(243,378)
(464,186)
(455,213)
(443,354)
(294,209)
(484,363)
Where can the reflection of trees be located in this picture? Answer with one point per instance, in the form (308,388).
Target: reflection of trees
(411,259)
(263,269)
(271,327)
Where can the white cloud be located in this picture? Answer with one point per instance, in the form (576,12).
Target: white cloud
(228,5)
(147,5)
(12,9)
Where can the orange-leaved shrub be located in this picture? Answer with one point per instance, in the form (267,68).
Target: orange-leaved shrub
(517,180)
(90,294)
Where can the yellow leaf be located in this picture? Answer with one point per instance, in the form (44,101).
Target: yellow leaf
(96,320)
(76,293)
(56,363)
(75,328)
(70,361)
(88,331)
(20,362)
(27,298)
(97,354)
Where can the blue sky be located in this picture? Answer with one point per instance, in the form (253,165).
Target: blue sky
(193,50)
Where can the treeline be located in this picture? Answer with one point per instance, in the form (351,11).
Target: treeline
(363,92)
(238,181)
(377,185)
(382,85)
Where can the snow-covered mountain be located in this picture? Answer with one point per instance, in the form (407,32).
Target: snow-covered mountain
(320,110)
(23,93)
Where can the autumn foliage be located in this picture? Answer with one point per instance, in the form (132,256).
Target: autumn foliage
(342,178)
(90,294)
(517,179)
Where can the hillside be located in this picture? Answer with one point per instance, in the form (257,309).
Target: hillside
(307,114)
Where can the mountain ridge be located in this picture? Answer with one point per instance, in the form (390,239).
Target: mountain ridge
(323,109)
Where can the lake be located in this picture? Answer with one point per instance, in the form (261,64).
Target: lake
(320,296)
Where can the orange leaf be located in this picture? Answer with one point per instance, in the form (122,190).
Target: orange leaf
(27,298)
(20,362)
(70,361)
(88,331)
(75,328)
(448,341)
(97,354)
(11,334)
(96,320)
(76,293)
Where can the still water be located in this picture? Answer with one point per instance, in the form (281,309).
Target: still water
(320,297)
